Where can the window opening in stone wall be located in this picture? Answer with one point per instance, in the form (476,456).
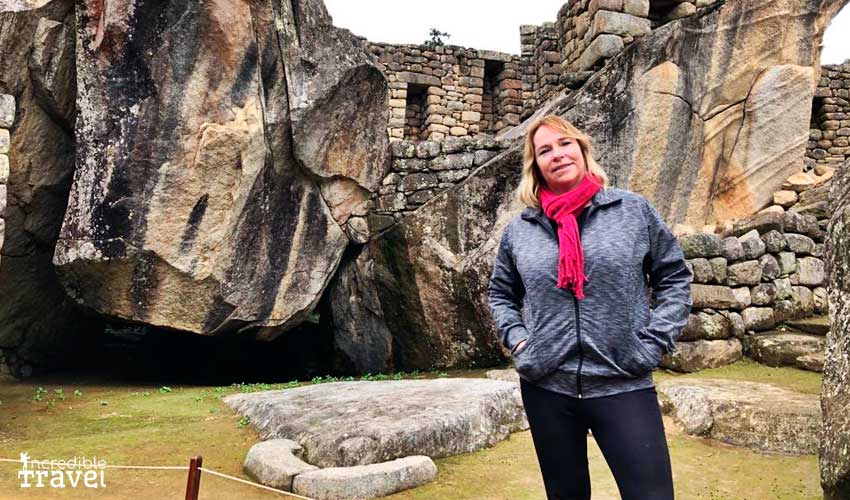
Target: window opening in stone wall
(489,100)
(817,109)
(816,147)
(659,9)
(414,119)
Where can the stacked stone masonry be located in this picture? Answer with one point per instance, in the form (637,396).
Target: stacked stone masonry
(445,91)
(829,137)
(421,170)
(564,54)
(755,273)
(7,117)
(449,91)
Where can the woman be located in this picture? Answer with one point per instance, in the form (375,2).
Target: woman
(570,297)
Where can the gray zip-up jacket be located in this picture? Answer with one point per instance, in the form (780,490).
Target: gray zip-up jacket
(608,342)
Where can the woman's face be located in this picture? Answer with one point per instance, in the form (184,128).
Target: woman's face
(559,159)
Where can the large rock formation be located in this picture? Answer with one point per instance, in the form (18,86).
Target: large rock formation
(706,116)
(362,340)
(37,321)
(426,278)
(226,152)
(835,395)
(222,148)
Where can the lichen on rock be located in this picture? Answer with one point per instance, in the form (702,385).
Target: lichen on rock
(205,136)
(835,395)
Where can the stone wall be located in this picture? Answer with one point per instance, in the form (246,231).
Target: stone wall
(541,65)
(445,91)
(755,274)
(829,138)
(421,170)
(449,91)
(7,118)
(564,54)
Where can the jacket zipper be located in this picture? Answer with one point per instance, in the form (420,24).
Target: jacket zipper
(580,350)
(554,233)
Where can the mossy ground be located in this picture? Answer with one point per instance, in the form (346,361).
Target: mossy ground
(154,425)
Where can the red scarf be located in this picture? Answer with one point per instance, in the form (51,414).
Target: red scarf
(563,209)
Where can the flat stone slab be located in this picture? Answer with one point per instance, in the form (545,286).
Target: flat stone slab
(696,355)
(362,482)
(782,349)
(357,423)
(817,325)
(755,415)
(812,362)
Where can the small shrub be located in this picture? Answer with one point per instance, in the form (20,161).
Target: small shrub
(39,394)
(436,39)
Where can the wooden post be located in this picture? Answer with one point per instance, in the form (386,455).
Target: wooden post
(193,484)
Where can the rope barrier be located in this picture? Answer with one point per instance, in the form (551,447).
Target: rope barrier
(183,468)
(215,473)
(148,467)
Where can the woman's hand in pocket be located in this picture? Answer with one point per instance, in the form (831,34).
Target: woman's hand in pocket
(520,346)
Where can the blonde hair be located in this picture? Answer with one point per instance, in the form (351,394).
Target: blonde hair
(532,179)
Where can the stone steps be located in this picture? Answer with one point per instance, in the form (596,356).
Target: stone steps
(816,325)
(786,348)
(812,362)
(759,416)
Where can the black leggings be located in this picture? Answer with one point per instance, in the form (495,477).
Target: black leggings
(627,427)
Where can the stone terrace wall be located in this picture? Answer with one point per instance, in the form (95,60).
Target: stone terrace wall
(761,271)
(422,170)
(564,54)
(7,117)
(449,91)
(829,138)
(541,65)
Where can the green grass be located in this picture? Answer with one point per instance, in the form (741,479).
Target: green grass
(144,425)
(747,369)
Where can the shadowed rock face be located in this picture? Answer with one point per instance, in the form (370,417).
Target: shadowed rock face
(425,279)
(205,139)
(708,115)
(835,394)
(38,323)
(362,339)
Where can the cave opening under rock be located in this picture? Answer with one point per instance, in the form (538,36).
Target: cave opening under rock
(143,353)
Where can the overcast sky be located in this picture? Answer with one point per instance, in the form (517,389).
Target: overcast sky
(491,24)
